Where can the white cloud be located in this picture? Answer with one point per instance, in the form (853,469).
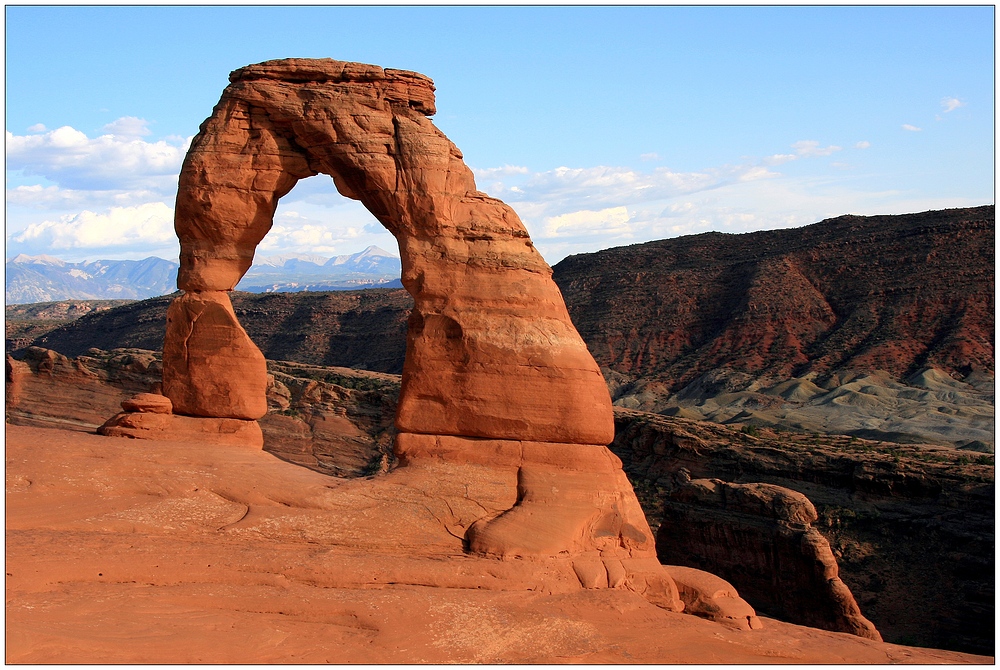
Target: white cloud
(778,159)
(128,126)
(37,128)
(653,156)
(912,129)
(150,224)
(614,186)
(313,237)
(951,104)
(863,144)
(757,172)
(803,149)
(68,158)
(49,198)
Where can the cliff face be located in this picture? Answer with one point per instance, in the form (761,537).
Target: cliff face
(877,327)
(911,527)
(353,329)
(893,293)
(762,536)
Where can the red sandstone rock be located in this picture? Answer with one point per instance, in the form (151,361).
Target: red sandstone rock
(121,551)
(153,403)
(161,426)
(712,597)
(210,366)
(764,531)
(15,372)
(572,500)
(491,351)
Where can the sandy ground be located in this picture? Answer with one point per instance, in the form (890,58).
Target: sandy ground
(133,551)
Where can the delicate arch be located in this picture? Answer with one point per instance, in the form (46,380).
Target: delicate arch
(491,351)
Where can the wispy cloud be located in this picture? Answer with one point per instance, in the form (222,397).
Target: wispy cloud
(128,126)
(803,149)
(912,129)
(612,221)
(863,144)
(653,156)
(809,148)
(603,186)
(951,104)
(505,170)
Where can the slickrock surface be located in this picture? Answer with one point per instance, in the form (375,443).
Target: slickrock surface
(140,551)
(911,527)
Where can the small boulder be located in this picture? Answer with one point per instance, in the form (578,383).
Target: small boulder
(150,403)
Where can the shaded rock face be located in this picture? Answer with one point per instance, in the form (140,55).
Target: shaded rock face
(495,374)
(49,390)
(741,312)
(350,329)
(911,527)
(332,420)
(761,535)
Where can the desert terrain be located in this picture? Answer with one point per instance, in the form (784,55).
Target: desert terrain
(136,551)
(889,511)
(243,504)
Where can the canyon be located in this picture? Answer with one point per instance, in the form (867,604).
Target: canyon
(904,353)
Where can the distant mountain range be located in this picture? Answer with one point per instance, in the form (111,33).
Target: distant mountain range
(291,273)
(44,279)
(31,279)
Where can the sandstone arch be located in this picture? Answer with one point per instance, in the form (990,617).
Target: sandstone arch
(486,308)
(495,373)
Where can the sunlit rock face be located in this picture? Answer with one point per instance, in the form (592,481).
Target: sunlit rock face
(491,352)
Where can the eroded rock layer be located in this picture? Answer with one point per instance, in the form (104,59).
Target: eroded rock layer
(763,530)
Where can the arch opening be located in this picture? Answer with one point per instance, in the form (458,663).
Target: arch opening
(320,240)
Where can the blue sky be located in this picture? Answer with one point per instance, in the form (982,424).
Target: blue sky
(601,126)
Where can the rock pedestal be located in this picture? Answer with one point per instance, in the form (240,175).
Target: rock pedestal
(211,368)
(150,416)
